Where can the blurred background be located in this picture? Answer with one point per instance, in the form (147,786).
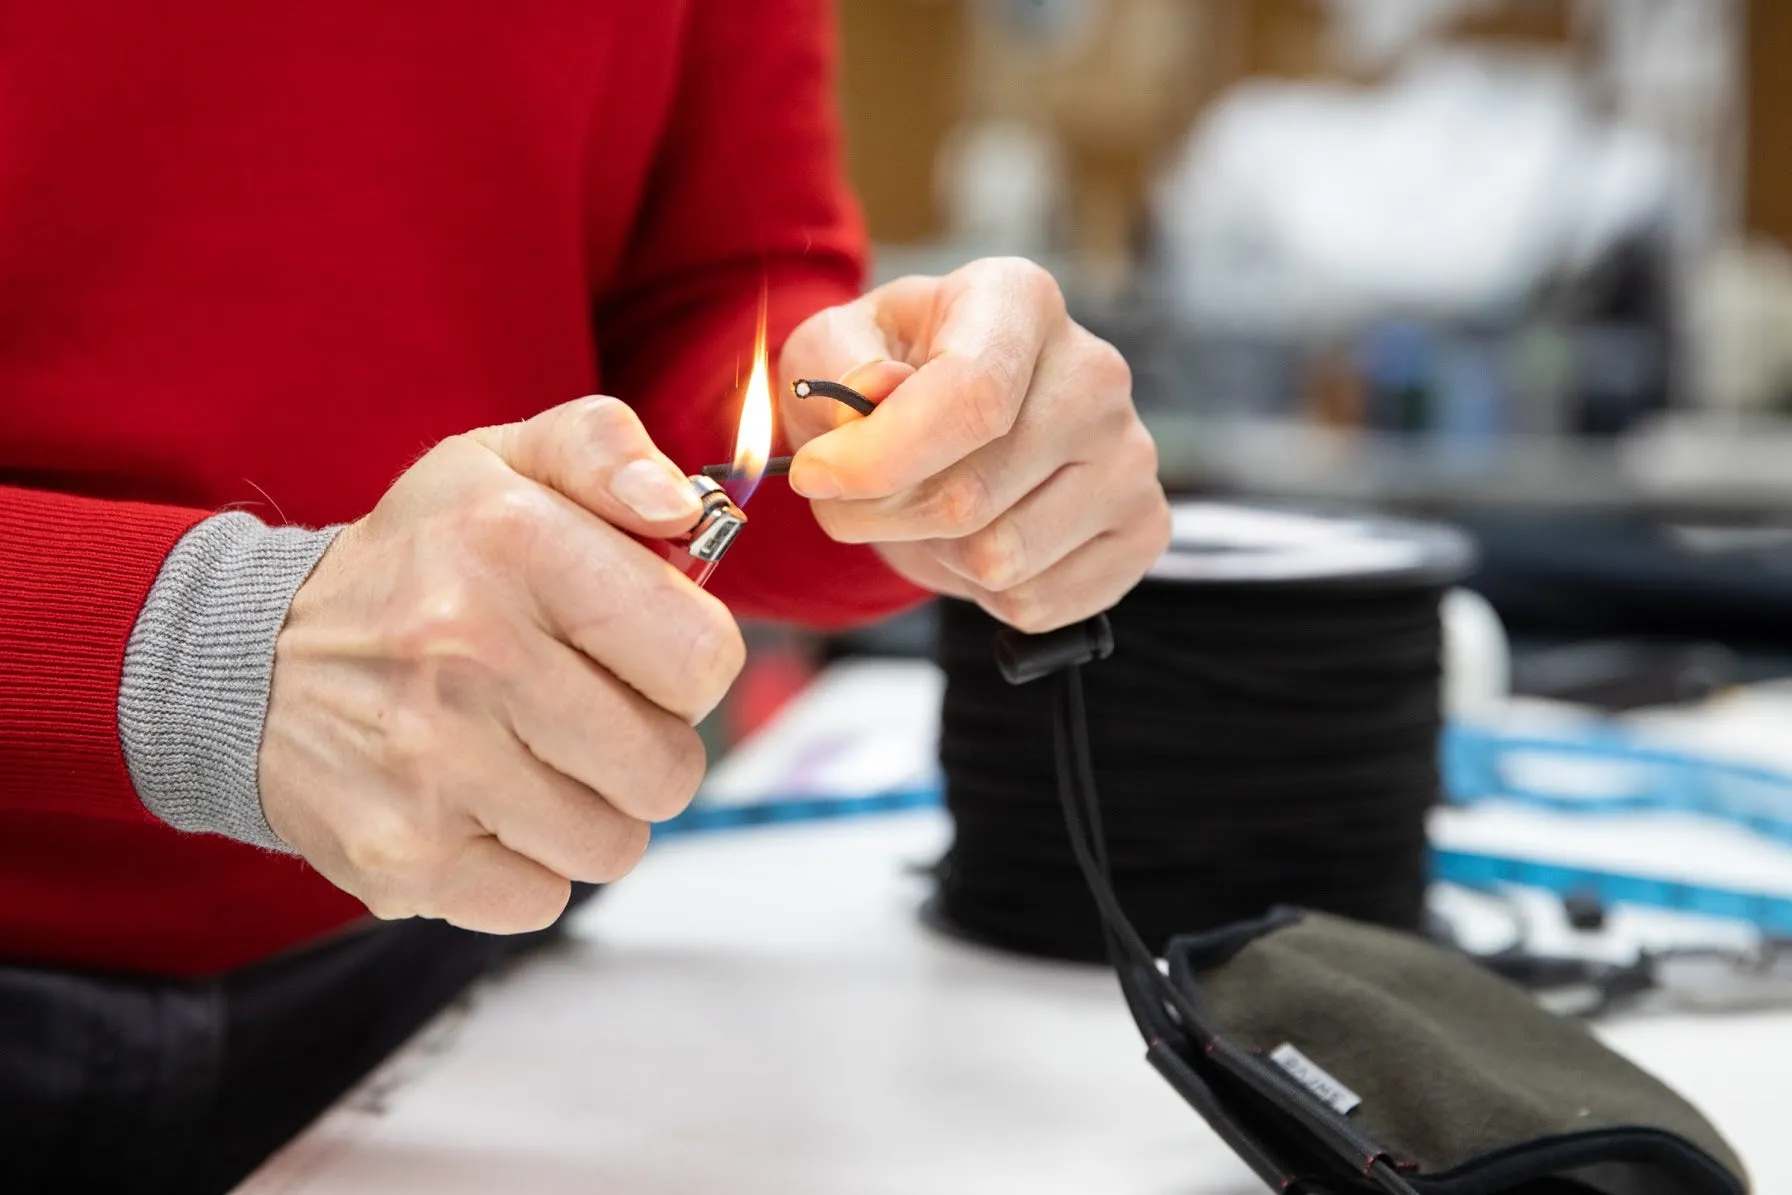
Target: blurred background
(1520,264)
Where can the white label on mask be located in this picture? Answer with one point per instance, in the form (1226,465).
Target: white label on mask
(1315,1079)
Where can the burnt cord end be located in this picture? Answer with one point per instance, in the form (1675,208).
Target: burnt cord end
(778,466)
(1024,658)
(809,388)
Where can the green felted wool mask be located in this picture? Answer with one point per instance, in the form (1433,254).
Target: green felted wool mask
(1453,1077)
(1337,1058)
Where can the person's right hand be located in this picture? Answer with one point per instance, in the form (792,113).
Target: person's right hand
(486,689)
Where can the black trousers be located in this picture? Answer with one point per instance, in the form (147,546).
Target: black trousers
(182,1087)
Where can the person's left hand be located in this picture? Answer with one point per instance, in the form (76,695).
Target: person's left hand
(1007,465)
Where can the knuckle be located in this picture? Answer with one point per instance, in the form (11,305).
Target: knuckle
(715,654)
(1024,609)
(673,763)
(605,421)
(504,519)
(686,762)
(398,845)
(727,653)
(407,744)
(994,558)
(1139,452)
(1154,522)
(436,624)
(988,404)
(1029,278)
(618,852)
(400,860)
(388,906)
(415,745)
(1039,284)
(495,901)
(960,502)
(1160,529)
(539,912)
(1108,368)
(451,450)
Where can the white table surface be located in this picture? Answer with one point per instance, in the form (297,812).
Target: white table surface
(760,1011)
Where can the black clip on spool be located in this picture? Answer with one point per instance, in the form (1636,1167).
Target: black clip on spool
(1025,658)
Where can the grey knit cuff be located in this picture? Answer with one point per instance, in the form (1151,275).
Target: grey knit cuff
(194,693)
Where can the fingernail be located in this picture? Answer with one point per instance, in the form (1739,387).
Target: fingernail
(655,490)
(813,480)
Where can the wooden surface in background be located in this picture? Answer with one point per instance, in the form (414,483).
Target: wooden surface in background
(1767,203)
(901,91)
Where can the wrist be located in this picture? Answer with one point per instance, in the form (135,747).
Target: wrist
(193,693)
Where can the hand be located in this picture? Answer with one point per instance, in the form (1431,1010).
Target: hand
(486,689)
(1008,465)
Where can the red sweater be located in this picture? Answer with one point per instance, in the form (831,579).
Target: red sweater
(261,254)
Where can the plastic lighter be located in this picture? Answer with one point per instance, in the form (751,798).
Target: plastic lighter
(697,552)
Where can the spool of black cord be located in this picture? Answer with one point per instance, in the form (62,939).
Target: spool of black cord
(1264,733)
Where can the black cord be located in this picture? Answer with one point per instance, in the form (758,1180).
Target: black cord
(846,395)
(1167,1015)
(1255,746)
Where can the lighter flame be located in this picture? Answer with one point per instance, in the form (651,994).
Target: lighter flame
(753,442)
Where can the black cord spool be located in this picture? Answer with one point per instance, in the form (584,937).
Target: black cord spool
(1264,733)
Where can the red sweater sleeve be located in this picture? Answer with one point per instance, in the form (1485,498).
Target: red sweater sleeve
(748,192)
(74,573)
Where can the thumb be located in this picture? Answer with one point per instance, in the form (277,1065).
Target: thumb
(595,452)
